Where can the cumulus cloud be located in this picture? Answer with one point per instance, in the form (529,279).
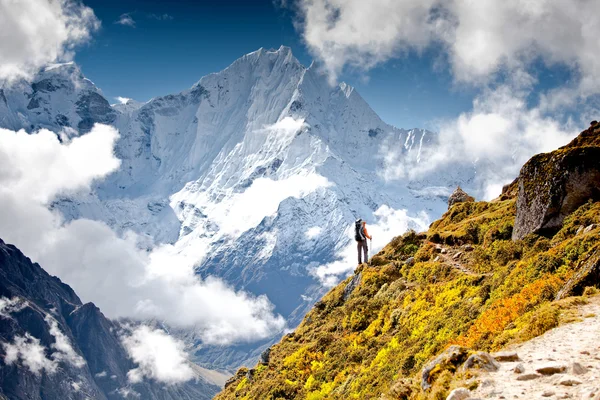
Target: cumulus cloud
(126,20)
(64,351)
(123,100)
(497,46)
(112,271)
(36,32)
(30,352)
(159,357)
(388,223)
(39,166)
(497,136)
(9,306)
(479,37)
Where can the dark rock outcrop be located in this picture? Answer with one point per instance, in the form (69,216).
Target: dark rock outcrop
(450,360)
(459,196)
(354,282)
(553,185)
(588,274)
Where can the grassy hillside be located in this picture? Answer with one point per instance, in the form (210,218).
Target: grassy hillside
(463,282)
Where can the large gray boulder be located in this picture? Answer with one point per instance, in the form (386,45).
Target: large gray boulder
(553,185)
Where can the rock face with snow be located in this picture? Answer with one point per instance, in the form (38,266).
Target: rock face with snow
(54,347)
(263,166)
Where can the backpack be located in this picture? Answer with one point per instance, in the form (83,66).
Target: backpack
(359,234)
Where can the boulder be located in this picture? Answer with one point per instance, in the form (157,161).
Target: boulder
(569,381)
(450,359)
(578,369)
(410,261)
(481,360)
(506,356)
(551,369)
(553,185)
(519,369)
(587,274)
(459,394)
(528,377)
(459,196)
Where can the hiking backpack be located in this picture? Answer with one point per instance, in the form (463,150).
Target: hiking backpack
(359,234)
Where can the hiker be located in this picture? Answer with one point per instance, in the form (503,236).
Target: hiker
(361,235)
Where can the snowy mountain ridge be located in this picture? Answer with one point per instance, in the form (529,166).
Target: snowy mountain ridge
(255,172)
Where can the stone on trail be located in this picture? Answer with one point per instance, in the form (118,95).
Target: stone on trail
(481,360)
(519,369)
(528,377)
(506,356)
(569,381)
(459,394)
(551,369)
(578,369)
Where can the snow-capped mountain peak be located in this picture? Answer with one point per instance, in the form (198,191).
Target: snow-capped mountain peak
(256,172)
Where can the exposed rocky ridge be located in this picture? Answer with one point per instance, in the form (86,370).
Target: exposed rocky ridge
(372,335)
(553,185)
(459,196)
(99,364)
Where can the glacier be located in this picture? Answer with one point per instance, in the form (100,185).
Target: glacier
(256,172)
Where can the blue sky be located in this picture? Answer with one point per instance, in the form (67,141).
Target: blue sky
(173,44)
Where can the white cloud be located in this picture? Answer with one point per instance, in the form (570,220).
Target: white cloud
(33,355)
(313,232)
(499,135)
(497,46)
(123,100)
(62,345)
(243,211)
(39,166)
(388,224)
(30,352)
(126,20)
(112,271)
(36,32)
(9,306)
(161,17)
(479,37)
(158,356)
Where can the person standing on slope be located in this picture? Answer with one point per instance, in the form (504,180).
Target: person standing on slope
(361,235)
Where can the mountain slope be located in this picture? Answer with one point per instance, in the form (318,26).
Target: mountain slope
(256,172)
(54,347)
(464,282)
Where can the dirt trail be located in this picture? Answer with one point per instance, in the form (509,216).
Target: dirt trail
(452,256)
(574,347)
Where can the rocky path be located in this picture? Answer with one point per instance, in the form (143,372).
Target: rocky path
(564,363)
(452,256)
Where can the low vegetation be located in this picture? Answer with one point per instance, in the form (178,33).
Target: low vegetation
(373,344)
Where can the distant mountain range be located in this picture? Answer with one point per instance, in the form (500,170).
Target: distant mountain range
(55,347)
(264,164)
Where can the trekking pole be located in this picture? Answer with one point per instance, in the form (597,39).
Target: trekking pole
(371,244)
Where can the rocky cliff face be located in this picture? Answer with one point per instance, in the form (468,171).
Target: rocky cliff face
(419,320)
(553,185)
(54,347)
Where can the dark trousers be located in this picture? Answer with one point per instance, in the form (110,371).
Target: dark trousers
(364,249)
